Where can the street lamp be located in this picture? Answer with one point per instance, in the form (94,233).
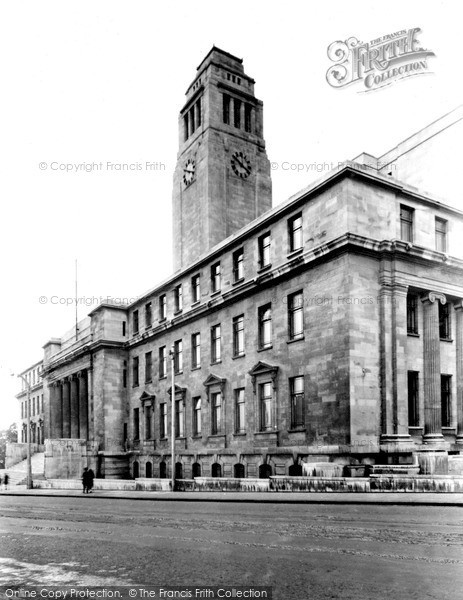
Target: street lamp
(172,417)
(28,431)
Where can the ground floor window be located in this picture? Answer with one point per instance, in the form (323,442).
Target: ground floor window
(148,469)
(136,470)
(178,470)
(196,470)
(265,471)
(216,470)
(162,470)
(238,471)
(295,471)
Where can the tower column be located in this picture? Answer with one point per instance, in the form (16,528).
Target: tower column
(66,409)
(432,385)
(56,412)
(83,406)
(459,370)
(74,406)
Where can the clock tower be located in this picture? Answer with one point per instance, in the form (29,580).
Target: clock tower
(222,178)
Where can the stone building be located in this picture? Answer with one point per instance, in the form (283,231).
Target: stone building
(328,329)
(33,376)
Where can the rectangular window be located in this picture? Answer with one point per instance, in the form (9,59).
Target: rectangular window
(148,367)
(265,326)
(226,109)
(296,316)
(195,350)
(446,400)
(238,336)
(135,322)
(124,378)
(179,418)
(240,425)
(148,315)
(185,127)
(238,265)
(197,416)
(295,232)
(265,400)
(136,423)
(41,404)
(413,399)
(162,307)
(406,223)
(135,368)
(192,119)
(178,298)
(247,118)
(123,328)
(162,362)
(441,235)
(444,321)
(195,289)
(412,314)
(237,113)
(22,410)
(178,357)
(296,386)
(198,112)
(215,344)
(215,278)
(264,250)
(163,420)
(216,416)
(148,421)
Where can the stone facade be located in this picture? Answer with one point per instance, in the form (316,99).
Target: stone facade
(330,339)
(33,376)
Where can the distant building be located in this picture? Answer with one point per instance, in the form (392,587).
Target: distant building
(33,376)
(326,329)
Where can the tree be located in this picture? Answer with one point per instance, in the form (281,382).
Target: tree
(7,436)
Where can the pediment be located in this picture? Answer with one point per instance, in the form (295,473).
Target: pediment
(213,380)
(261,368)
(178,390)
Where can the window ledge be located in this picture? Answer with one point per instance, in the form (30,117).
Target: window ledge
(411,334)
(197,436)
(178,373)
(264,268)
(163,377)
(449,429)
(216,362)
(136,385)
(297,339)
(294,253)
(238,281)
(163,320)
(148,381)
(265,348)
(216,293)
(180,437)
(148,327)
(195,368)
(195,303)
(297,430)
(448,340)
(216,435)
(241,434)
(178,312)
(266,432)
(238,356)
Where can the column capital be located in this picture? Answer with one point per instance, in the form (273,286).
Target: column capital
(431,297)
(458,305)
(81,374)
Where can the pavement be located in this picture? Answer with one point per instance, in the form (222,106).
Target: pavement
(373,498)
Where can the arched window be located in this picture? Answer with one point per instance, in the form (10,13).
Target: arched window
(162,470)
(265,471)
(148,469)
(136,470)
(295,470)
(238,470)
(196,470)
(216,470)
(178,470)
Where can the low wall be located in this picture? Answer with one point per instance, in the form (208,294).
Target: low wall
(230,484)
(319,484)
(76,484)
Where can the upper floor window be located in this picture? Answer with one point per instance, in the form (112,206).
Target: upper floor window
(296,316)
(148,367)
(123,327)
(178,357)
(406,223)
(238,336)
(163,420)
(179,418)
(444,321)
(178,298)
(238,265)
(216,413)
(162,307)
(136,423)
(226,109)
(265,402)
(195,288)
(135,368)
(295,232)
(413,399)
(148,422)
(240,419)
(215,344)
(197,416)
(148,315)
(135,321)
(248,118)
(264,250)
(192,119)
(296,385)
(162,362)
(237,113)
(195,350)
(412,314)
(265,326)
(441,235)
(215,277)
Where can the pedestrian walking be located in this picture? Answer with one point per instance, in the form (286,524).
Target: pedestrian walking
(85,481)
(91,477)
(6,478)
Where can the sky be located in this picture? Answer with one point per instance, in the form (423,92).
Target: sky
(103,81)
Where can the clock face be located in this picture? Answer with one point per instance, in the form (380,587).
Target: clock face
(188,171)
(241,164)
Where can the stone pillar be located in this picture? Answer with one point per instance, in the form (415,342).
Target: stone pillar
(66,409)
(399,367)
(432,383)
(459,370)
(83,406)
(74,407)
(56,412)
